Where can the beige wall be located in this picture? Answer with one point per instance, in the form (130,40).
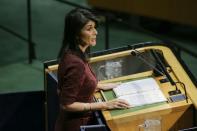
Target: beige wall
(179,11)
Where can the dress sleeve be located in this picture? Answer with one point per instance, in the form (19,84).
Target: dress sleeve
(72,82)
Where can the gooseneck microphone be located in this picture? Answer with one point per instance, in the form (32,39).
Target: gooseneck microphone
(158,62)
(139,55)
(162,68)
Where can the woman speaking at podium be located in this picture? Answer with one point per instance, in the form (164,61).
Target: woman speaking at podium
(76,81)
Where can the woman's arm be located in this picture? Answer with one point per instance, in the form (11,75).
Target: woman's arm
(107,86)
(79,106)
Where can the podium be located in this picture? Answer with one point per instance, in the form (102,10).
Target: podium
(119,64)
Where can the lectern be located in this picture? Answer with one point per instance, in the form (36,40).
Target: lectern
(155,60)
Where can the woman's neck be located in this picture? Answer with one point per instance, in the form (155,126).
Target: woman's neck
(83,48)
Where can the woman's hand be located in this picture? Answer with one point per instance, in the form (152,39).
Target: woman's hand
(116,104)
(108,86)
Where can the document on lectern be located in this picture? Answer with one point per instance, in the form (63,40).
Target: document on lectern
(140,92)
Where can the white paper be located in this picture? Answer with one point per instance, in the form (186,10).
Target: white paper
(140,92)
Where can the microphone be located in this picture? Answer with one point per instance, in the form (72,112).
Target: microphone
(162,67)
(134,53)
(139,55)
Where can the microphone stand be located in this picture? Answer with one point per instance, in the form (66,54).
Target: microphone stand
(164,72)
(162,66)
(137,54)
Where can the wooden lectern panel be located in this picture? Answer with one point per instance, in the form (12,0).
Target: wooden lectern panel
(171,115)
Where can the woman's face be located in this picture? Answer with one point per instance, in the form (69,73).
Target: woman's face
(88,34)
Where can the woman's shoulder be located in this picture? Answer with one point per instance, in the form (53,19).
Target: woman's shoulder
(72,58)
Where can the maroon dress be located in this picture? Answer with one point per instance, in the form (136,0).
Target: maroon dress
(76,83)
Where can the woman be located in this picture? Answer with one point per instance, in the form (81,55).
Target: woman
(76,81)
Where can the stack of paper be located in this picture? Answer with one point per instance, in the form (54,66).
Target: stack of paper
(140,92)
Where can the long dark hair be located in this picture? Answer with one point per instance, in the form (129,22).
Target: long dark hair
(75,20)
